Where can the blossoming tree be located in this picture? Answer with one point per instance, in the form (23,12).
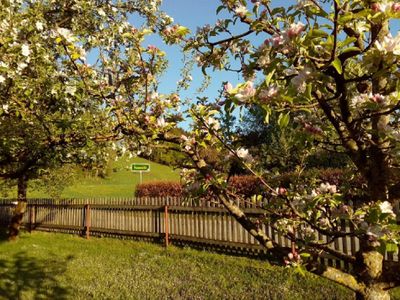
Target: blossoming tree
(334,65)
(74,77)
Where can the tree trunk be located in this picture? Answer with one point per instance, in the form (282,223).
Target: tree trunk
(369,268)
(20,209)
(378,175)
(373,293)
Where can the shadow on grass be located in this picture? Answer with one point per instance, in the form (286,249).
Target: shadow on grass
(3,234)
(25,277)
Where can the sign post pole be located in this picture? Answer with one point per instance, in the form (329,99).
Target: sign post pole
(140,168)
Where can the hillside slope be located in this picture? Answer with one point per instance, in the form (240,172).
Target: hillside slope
(120,181)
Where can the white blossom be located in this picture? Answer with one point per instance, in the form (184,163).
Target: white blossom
(70,89)
(241,10)
(154,96)
(25,50)
(67,34)
(242,153)
(21,66)
(299,81)
(101,12)
(328,188)
(213,123)
(39,25)
(386,208)
(2,79)
(389,44)
(161,122)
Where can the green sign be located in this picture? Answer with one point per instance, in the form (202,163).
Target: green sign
(140,167)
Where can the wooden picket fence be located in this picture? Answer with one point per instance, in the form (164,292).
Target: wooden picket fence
(178,221)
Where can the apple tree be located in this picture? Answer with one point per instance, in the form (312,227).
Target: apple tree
(332,68)
(75,76)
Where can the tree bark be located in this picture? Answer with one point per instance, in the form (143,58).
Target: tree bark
(20,209)
(369,269)
(373,293)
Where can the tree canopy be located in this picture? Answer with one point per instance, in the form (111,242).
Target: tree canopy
(74,77)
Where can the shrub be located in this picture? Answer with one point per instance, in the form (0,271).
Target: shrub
(246,185)
(159,189)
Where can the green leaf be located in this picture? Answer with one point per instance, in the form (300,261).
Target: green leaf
(347,41)
(269,77)
(345,18)
(75,56)
(391,247)
(182,30)
(351,49)
(337,64)
(283,120)
(309,91)
(221,7)
(266,119)
(315,33)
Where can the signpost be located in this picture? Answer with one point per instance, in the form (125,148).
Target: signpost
(140,168)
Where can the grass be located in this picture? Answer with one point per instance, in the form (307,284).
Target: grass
(120,182)
(58,266)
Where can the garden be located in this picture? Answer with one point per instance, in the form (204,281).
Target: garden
(283,122)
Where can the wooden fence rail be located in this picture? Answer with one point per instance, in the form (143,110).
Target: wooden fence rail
(167,220)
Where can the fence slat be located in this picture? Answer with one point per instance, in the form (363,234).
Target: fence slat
(186,221)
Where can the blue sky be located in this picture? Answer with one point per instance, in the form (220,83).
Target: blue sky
(192,14)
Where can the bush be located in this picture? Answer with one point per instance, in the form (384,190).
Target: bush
(159,189)
(246,185)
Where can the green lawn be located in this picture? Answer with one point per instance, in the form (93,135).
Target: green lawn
(120,182)
(58,266)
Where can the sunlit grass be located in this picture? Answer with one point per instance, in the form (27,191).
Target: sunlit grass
(58,266)
(119,182)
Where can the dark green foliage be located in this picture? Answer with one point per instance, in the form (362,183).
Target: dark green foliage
(327,159)
(167,153)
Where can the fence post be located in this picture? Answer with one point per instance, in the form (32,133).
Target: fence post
(32,206)
(166,226)
(87,221)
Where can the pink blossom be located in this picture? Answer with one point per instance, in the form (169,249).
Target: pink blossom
(295,30)
(152,48)
(281,191)
(313,129)
(378,98)
(382,7)
(268,94)
(168,30)
(246,92)
(396,7)
(228,87)
(277,40)
(375,7)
